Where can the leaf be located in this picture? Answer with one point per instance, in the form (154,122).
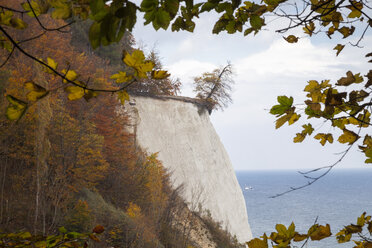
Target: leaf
(98,229)
(324,138)
(348,137)
(361,220)
(36,91)
(61,11)
(123,96)
(293,119)
(70,75)
(355,12)
(121,77)
(256,22)
(308,129)
(35,7)
(257,243)
(291,39)
(346,31)
(338,48)
(75,92)
(285,103)
(16,108)
(18,23)
(137,61)
(299,237)
(315,90)
(321,232)
(350,79)
(62,229)
(309,29)
(94,237)
(159,74)
(299,138)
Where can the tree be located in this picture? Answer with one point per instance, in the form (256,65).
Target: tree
(215,87)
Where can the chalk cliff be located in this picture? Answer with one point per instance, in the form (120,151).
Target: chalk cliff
(180,130)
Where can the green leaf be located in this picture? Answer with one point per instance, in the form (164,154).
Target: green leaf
(285,103)
(62,229)
(171,6)
(16,108)
(256,22)
(149,5)
(208,6)
(162,19)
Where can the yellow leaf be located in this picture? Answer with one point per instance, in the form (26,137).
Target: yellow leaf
(299,237)
(159,74)
(52,64)
(291,39)
(70,75)
(137,61)
(324,138)
(75,92)
(36,91)
(121,77)
(309,29)
(338,48)
(257,243)
(355,12)
(15,109)
(293,118)
(348,137)
(321,232)
(123,96)
(134,59)
(299,138)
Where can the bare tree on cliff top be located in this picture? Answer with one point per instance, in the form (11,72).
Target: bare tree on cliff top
(215,87)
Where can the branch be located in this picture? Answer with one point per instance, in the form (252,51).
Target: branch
(59,29)
(16,45)
(14,10)
(315,179)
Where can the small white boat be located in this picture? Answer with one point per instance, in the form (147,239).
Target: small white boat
(248,188)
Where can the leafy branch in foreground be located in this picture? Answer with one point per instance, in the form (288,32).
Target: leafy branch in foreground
(285,237)
(138,68)
(62,239)
(345,105)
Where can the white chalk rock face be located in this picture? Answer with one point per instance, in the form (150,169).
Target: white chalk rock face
(188,145)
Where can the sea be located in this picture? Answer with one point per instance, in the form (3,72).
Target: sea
(338,199)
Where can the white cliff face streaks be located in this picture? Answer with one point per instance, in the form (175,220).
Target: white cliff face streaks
(190,148)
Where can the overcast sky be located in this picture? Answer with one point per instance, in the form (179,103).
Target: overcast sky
(265,66)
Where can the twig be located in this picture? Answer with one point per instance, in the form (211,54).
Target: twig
(58,73)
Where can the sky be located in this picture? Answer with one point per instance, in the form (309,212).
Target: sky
(265,66)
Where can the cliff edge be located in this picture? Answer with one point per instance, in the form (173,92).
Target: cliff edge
(180,130)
